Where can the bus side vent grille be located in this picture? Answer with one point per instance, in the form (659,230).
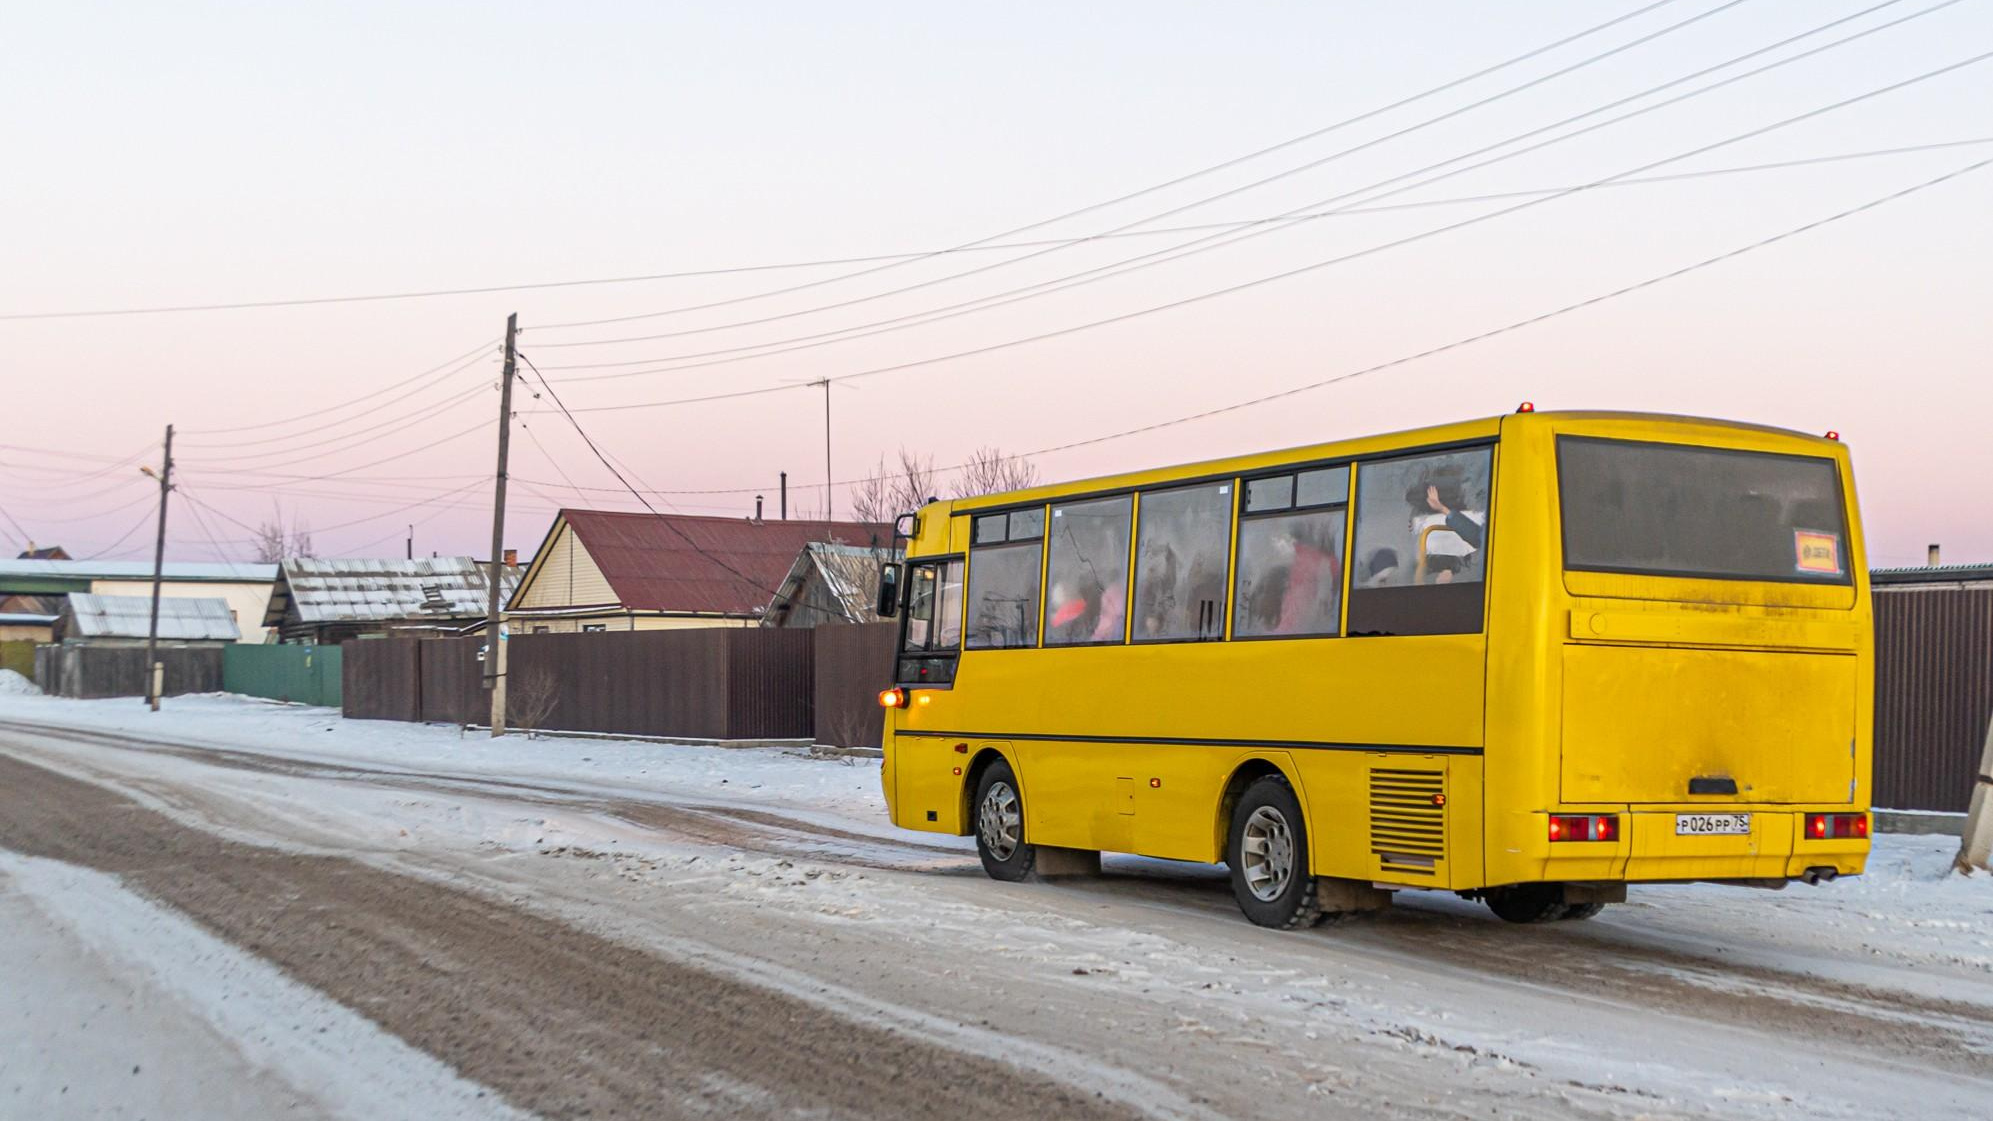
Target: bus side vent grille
(1408,819)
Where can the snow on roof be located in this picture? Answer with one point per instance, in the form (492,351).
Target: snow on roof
(181,618)
(359,591)
(140,570)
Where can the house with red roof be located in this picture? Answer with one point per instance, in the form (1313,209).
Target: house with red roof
(600,570)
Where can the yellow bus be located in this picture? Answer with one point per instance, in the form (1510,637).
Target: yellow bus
(1529,659)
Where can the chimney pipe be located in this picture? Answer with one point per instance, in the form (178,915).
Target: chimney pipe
(757,507)
(1931,556)
(512,558)
(785,496)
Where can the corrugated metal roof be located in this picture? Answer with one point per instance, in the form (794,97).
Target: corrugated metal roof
(181,618)
(676,562)
(1931,574)
(368,591)
(140,570)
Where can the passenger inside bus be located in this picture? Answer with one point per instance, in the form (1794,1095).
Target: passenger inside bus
(1449,537)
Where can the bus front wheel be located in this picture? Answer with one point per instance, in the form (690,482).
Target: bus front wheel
(1268,853)
(999,821)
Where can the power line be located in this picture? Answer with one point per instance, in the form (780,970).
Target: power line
(432,383)
(350,440)
(1157,216)
(1312,267)
(143,520)
(1132,195)
(1258,228)
(890,258)
(315,414)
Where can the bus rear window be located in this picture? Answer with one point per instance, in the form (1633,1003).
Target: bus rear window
(1677,510)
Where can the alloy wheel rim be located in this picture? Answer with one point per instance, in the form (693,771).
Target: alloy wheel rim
(1267,854)
(999,823)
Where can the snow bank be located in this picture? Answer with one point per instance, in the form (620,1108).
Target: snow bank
(13,684)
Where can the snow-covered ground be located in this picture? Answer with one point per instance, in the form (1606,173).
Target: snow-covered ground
(1648,1009)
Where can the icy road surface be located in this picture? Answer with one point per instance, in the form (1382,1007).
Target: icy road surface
(269,911)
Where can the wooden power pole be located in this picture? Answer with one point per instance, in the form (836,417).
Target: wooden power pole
(153,671)
(494,638)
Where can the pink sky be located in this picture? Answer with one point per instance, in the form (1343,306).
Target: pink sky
(219,154)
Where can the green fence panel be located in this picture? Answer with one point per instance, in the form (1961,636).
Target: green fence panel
(302,674)
(19,656)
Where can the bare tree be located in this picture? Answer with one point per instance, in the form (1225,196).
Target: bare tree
(893,491)
(276,543)
(989,471)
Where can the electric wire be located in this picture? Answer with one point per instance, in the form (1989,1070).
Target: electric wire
(1366,145)
(315,414)
(431,383)
(1222,239)
(1303,269)
(122,537)
(1140,193)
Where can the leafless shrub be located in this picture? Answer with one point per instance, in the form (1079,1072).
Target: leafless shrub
(275,542)
(892,491)
(530,699)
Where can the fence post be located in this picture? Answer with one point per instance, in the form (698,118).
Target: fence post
(1975,848)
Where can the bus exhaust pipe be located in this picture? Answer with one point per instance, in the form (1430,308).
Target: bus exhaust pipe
(1821,875)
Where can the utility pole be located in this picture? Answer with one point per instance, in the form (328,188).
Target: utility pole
(411,542)
(153,671)
(494,644)
(826,447)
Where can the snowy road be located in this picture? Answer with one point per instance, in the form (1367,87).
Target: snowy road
(622,929)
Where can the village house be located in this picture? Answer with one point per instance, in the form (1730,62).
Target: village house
(608,571)
(829,583)
(32,591)
(325,602)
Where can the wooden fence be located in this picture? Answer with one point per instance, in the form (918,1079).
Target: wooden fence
(82,670)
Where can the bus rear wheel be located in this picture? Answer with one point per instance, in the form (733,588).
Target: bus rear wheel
(1527,903)
(1268,854)
(999,823)
(1576,911)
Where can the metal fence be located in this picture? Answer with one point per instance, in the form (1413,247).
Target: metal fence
(853,663)
(1933,694)
(302,674)
(82,670)
(720,683)
(381,679)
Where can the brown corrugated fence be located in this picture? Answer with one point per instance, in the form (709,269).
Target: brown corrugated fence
(852,665)
(1933,694)
(381,679)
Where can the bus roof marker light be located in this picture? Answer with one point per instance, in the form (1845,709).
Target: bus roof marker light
(1833,435)
(1526,407)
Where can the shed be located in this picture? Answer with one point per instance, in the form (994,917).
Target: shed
(828,583)
(326,601)
(92,618)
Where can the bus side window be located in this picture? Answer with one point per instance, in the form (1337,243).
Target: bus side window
(1289,581)
(1180,563)
(948,611)
(1086,575)
(1421,536)
(1002,594)
(920,607)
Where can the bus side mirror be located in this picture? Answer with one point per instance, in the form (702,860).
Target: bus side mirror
(907,526)
(889,591)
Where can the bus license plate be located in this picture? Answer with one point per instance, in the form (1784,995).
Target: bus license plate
(1704,825)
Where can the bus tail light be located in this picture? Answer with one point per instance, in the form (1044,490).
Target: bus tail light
(1584,827)
(895,697)
(1834,827)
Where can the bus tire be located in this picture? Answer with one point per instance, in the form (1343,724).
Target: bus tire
(1578,911)
(999,825)
(1268,855)
(1527,903)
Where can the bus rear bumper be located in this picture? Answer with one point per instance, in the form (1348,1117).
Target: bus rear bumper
(1652,847)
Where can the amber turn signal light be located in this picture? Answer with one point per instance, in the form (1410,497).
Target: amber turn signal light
(895,697)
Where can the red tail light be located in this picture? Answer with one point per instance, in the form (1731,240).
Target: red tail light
(1584,827)
(1836,827)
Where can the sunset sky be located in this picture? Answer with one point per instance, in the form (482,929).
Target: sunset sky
(223,153)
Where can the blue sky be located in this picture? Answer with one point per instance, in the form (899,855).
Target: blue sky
(240,152)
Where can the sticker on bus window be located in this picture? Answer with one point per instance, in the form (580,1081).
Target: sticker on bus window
(1817,552)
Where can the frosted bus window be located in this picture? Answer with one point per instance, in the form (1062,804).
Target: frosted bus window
(1180,563)
(1086,572)
(1003,596)
(1421,535)
(1290,574)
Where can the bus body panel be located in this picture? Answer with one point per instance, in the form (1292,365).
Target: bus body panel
(1584,692)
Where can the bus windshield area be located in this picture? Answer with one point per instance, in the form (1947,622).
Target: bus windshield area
(1680,510)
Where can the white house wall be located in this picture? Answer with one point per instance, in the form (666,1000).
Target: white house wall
(247,600)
